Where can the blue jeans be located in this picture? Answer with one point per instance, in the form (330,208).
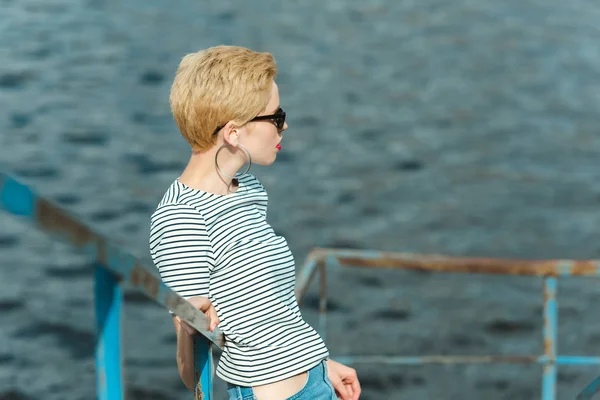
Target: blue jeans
(317,387)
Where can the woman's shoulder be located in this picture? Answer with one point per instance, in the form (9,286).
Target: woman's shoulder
(172,195)
(250,181)
(175,205)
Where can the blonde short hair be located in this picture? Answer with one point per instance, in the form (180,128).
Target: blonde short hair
(218,85)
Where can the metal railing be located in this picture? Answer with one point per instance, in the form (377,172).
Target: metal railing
(549,270)
(113,269)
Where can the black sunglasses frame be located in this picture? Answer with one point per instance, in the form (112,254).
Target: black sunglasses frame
(278,119)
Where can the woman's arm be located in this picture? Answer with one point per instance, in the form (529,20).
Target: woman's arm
(344,380)
(185,354)
(182,252)
(185,339)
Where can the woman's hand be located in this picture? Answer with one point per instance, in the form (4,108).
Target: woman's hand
(344,380)
(205,305)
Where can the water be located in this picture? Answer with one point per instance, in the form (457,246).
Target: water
(465,129)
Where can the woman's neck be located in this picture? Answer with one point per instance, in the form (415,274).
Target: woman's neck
(202,174)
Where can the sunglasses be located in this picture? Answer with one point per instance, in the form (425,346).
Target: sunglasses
(278,119)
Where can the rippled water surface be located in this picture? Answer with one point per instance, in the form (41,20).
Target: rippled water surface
(464,128)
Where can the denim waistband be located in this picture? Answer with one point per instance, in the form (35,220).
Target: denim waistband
(318,371)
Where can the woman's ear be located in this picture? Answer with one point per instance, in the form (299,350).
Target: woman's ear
(231,134)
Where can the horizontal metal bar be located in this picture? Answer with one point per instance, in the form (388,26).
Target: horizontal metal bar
(436,359)
(486,359)
(18,199)
(577,360)
(441,263)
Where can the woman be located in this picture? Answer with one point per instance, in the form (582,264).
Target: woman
(212,244)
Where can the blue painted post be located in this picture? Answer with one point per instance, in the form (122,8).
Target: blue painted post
(550,337)
(323,301)
(108,303)
(203,363)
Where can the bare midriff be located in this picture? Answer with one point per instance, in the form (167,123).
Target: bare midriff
(281,390)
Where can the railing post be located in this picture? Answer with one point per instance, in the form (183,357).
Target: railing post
(550,337)
(203,363)
(112,266)
(323,300)
(108,305)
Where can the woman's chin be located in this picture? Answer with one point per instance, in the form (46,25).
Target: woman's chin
(266,161)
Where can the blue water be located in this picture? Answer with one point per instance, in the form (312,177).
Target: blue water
(462,128)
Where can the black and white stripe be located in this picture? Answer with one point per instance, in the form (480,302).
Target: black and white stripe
(222,247)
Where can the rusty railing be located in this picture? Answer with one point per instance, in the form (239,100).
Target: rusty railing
(549,270)
(113,268)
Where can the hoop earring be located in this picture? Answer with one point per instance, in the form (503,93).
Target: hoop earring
(236,176)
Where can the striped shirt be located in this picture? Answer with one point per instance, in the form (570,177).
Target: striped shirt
(221,247)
